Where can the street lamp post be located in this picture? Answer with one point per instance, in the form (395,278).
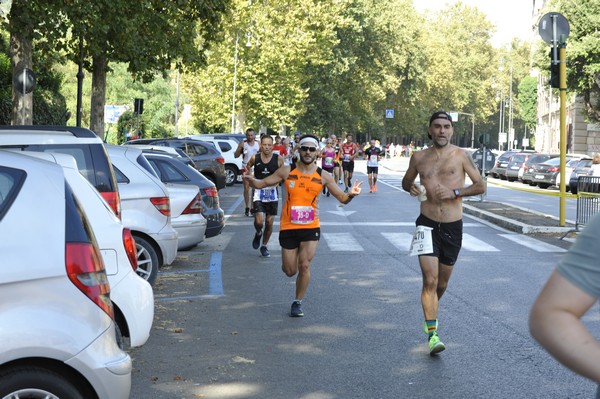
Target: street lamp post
(235,62)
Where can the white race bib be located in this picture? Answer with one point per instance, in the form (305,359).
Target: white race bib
(422,243)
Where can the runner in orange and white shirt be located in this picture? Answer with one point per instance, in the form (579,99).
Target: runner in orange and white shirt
(300,228)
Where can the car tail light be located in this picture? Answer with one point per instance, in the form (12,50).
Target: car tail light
(553,169)
(194,207)
(220,160)
(112,198)
(130,248)
(86,270)
(211,192)
(162,204)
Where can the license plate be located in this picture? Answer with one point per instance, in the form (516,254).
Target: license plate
(539,176)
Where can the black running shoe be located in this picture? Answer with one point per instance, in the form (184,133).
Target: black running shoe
(296,310)
(265,252)
(256,241)
(247,213)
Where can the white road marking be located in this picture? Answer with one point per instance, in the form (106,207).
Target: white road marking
(532,243)
(342,242)
(471,243)
(399,240)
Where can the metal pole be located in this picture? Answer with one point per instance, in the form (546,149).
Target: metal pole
(235,62)
(473,131)
(177,105)
(80,83)
(563,132)
(24,96)
(510,112)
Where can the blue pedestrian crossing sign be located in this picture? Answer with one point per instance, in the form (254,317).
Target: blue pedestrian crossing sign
(389,114)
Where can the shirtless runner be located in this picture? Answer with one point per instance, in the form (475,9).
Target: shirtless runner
(441,169)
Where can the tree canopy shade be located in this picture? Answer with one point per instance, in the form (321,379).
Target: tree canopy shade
(313,65)
(145,35)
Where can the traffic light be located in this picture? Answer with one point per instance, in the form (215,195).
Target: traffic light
(554,71)
(138,105)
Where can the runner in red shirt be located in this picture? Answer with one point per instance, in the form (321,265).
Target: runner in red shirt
(347,153)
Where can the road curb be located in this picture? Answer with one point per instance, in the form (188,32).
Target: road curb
(514,225)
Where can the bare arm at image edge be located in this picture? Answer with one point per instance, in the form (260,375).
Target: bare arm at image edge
(555,318)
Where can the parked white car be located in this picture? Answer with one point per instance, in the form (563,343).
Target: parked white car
(58,336)
(233,165)
(145,210)
(132,296)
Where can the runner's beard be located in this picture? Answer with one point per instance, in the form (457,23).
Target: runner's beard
(436,143)
(312,159)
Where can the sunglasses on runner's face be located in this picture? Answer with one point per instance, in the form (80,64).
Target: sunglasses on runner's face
(306,148)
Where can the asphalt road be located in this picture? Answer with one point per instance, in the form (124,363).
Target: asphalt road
(222,328)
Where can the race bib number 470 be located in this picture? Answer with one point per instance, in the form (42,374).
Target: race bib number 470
(422,243)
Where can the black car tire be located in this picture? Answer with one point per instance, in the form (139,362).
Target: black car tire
(543,185)
(28,381)
(231,175)
(147,260)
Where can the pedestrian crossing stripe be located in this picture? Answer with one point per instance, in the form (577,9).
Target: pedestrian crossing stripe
(532,243)
(342,242)
(345,242)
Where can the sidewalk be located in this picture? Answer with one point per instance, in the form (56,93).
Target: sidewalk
(510,217)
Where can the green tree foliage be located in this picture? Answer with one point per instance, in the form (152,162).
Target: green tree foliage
(462,61)
(145,35)
(528,101)
(313,65)
(583,50)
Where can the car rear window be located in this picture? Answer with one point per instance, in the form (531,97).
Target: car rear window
(224,146)
(11,181)
(166,171)
(92,162)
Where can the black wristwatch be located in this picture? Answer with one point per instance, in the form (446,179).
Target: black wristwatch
(456,193)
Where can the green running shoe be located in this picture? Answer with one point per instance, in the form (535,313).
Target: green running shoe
(435,345)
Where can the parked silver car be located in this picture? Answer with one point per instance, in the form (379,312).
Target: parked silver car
(58,339)
(146,211)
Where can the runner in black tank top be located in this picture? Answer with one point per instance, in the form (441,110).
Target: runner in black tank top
(265,200)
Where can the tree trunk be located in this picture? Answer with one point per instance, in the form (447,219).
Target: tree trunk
(21,57)
(98,95)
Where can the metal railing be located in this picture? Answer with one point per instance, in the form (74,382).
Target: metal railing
(588,199)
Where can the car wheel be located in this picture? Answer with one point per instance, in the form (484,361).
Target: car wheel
(147,260)
(574,190)
(543,185)
(230,175)
(39,383)
(511,179)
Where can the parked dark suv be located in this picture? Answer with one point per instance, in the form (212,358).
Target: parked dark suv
(82,144)
(207,157)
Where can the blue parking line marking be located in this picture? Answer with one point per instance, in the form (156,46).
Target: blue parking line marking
(186,271)
(215,281)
